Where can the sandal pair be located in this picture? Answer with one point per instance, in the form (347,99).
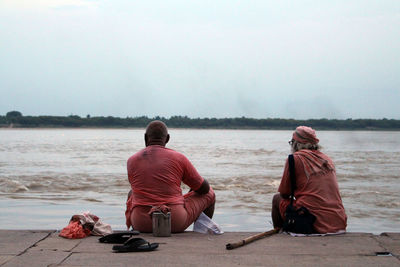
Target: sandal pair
(129,243)
(135,244)
(118,237)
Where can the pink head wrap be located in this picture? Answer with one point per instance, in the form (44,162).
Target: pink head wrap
(304,134)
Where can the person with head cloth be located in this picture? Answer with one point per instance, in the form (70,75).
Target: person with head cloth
(155,174)
(316,185)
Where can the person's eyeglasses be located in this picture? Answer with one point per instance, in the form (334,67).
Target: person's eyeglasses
(291,142)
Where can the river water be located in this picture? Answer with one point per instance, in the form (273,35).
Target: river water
(47,175)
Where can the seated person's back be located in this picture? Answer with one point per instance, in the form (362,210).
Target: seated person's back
(155,174)
(316,185)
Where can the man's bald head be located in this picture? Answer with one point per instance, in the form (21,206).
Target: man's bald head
(156,133)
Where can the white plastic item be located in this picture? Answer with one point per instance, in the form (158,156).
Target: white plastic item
(205,225)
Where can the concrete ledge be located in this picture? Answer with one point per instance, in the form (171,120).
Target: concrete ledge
(46,248)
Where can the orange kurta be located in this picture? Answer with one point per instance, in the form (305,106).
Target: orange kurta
(155,174)
(318,191)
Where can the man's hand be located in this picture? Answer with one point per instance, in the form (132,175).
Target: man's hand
(204,188)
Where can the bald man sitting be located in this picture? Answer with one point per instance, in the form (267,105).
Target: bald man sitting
(155,174)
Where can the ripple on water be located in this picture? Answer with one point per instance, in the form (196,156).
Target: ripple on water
(12,186)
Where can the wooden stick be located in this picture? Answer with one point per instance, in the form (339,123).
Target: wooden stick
(251,239)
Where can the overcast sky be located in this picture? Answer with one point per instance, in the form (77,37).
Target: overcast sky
(286,59)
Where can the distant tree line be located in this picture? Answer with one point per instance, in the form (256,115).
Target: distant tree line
(16,119)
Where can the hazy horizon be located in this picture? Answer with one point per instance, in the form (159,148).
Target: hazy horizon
(169,117)
(211,59)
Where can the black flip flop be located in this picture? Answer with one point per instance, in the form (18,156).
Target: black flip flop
(118,237)
(135,244)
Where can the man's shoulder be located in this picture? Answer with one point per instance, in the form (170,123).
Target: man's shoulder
(172,152)
(137,154)
(175,155)
(157,149)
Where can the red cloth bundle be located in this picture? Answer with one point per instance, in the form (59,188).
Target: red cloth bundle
(74,230)
(85,224)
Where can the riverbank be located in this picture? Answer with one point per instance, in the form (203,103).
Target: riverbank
(46,248)
(16,119)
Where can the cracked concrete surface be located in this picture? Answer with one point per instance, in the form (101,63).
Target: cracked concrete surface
(46,248)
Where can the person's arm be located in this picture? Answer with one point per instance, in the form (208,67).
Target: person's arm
(192,178)
(204,188)
(129,194)
(284,187)
(285,196)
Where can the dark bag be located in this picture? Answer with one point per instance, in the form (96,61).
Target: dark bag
(301,220)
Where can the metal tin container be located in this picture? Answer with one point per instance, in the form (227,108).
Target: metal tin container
(161,224)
